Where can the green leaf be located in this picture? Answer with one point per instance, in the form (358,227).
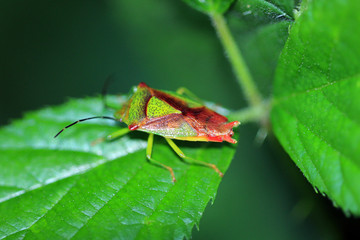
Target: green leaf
(261,33)
(262,11)
(316,113)
(65,188)
(210,6)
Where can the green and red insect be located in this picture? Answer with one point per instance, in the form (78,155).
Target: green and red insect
(172,116)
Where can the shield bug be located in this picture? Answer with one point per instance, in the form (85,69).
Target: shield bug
(171,115)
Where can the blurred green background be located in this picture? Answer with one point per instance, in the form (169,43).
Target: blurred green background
(53,50)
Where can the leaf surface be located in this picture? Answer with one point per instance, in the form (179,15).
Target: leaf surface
(264,11)
(316,113)
(65,188)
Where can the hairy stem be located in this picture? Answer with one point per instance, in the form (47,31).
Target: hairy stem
(242,73)
(258,113)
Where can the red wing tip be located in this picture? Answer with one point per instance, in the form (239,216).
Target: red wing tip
(228,138)
(222,138)
(235,123)
(231,140)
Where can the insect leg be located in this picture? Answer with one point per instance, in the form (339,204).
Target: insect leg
(148,156)
(191,160)
(185,91)
(111,136)
(118,133)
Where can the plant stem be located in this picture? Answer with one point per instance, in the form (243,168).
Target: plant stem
(242,73)
(257,113)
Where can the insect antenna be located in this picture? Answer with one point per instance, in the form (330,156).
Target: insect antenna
(85,119)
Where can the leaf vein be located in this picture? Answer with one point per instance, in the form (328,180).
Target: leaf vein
(321,87)
(64,176)
(283,13)
(47,210)
(323,140)
(155,209)
(339,110)
(329,145)
(182,204)
(310,157)
(353,191)
(106,202)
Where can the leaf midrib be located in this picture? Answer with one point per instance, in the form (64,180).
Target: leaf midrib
(115,194)
(101,161)
(276,101)
(319,137)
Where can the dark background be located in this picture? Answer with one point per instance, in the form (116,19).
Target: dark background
(51,51)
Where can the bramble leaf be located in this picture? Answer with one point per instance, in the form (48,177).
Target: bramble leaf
(316,113)
(210,6)
(65,188)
